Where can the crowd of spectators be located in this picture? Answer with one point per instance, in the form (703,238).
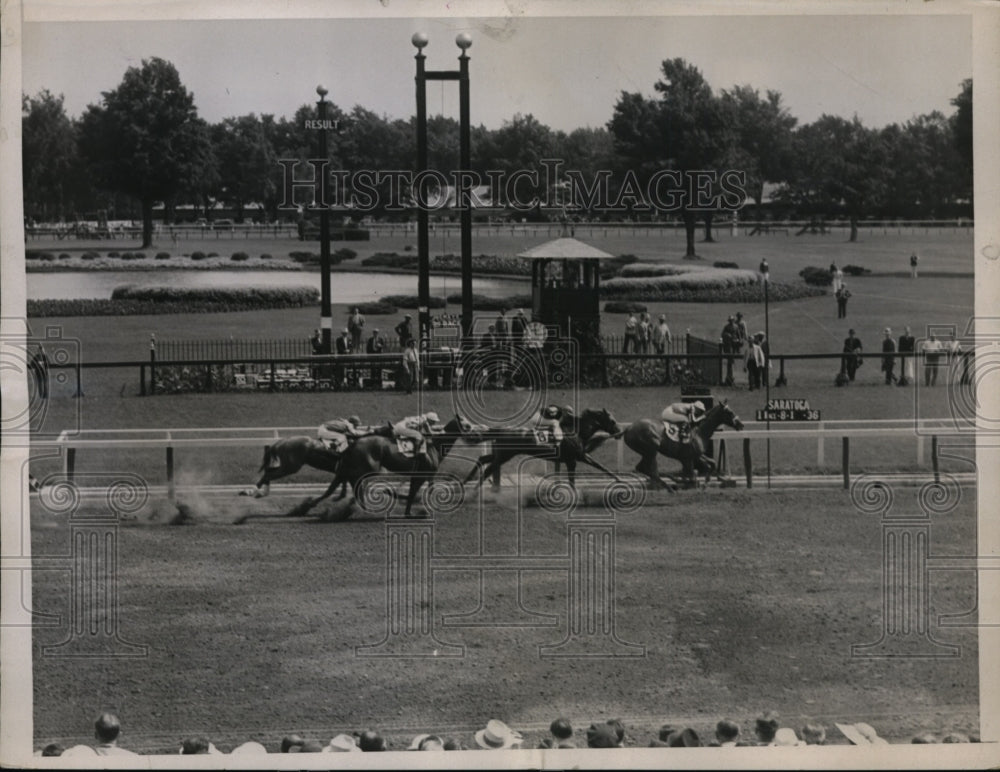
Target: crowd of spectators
(767,731)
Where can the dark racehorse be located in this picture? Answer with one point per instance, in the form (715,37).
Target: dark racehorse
(580,437)
(373,454)
(648,438)
(287,456)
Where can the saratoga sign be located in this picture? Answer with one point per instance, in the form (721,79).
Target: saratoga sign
(788,410)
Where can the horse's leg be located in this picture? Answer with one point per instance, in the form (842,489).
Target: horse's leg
(598,465)
(415,484)
(308,504)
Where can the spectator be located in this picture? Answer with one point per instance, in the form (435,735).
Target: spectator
(451,744)
(619,727)
(765,271)
(371,741)
(252,748)
(404,330)
(316,341)
(411,366)
(561,730)
(498,736)
(766,348)
(198,746)
(786,737)
(375,345)
(852,358)
(730,343)
(955,737)
(645,332)
(356,324)
(309,746)
(907,345)
(766,727)
(755,364)
(924,739)
(661,335)
(426,742)
(107,729)
(954,349)
(843,295)
(52,749)
(727,733)
(913,265)
(602,736)
(888,356)
(744,333)
(502,329)
(932,350)
(77,751)
(342,743)
(631,340)
(489,341)
(684,738)
(291,741)
(518,327)
(814,734)
(835,276)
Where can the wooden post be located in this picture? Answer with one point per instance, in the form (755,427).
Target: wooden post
(79,379)
(171,490)
(920,449)
(271,386)
(70,463)
(142,380)
(847,463)
(934,458)
(747,462)
(820,448)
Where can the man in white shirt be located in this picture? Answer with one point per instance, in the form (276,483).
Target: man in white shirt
(932,350)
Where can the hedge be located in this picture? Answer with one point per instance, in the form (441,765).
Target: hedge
(625,307)
(819,277)
(693,279)
(175,300)
(855,270)
(390,260)
(483,303)
(377,308)
(724,264)
(237,297)
(412,301)
(744,293)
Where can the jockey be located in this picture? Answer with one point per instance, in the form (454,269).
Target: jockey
(414,427)
(685,415)
(337,432)
(550,419)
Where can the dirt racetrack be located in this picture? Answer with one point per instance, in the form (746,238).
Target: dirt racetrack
(744,601)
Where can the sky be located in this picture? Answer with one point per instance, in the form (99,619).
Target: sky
(567,72)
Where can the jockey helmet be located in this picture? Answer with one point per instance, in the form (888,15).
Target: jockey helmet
(354,420)
(432,417)
(552,411)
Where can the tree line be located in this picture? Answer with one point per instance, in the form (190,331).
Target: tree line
(144,144)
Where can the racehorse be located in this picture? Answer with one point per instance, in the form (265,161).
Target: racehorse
(580,437)
(648,438)
(288,455)
(375,453)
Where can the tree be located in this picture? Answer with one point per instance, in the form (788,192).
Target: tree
(962,127)
(49,156)
(924,168)
(145,138)
(684,130)
(247,161)
(763,128)
(841,165)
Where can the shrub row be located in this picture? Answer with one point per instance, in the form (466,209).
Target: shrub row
(483,303)
(724,264)
(743,293)
(103,307)
(377,308)
(642,270)
(855,270)
(390,260)
(412,301)
(699,278)
(625,307)
(818,277)
(253,297)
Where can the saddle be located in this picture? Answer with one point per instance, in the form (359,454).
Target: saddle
(677,432)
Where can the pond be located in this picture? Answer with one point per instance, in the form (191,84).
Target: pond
(345,286)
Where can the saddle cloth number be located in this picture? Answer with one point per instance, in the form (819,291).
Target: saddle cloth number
(674,433)
(407,446)
(544,436)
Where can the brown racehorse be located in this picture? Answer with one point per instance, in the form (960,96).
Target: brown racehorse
(648,438)
(287,456)
(373,454)
(581,436)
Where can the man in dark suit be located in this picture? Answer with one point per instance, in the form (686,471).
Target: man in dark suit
(888,356)
(375,345)
(343,347)
(851,360)
(907,345)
